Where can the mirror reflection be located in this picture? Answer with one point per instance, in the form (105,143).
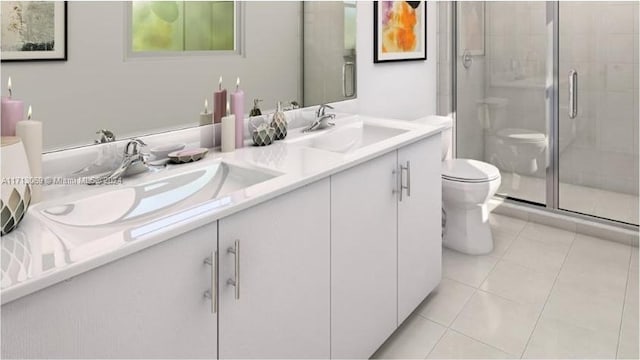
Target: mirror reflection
(142,67)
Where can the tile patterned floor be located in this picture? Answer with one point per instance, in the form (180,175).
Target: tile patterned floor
(542,293)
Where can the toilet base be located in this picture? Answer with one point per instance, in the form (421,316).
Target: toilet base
(467,229)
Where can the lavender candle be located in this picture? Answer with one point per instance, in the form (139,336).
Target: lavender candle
(219,101)
(12,112)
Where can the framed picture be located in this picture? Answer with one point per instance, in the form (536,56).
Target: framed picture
(471,33)
(399,31)
(33,30)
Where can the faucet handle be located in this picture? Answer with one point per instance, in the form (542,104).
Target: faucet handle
(322,108)
(133,145)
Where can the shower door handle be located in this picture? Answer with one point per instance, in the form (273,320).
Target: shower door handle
(573,93)
(350,65)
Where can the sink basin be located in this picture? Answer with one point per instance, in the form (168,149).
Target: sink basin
(349,137)
(87,226)
(132,204)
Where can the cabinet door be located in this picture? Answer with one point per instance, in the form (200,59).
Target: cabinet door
(147,305)
(283,308)
(419,225)
(363,258)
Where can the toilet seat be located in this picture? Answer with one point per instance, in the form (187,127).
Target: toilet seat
(469,171)
(522,136)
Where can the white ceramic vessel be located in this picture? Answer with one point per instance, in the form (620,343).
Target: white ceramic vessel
(16,190)
(467,186)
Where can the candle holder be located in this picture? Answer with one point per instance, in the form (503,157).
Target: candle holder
(279,123)
(262,133)
(16,189)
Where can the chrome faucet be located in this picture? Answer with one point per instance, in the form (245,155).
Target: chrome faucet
(322,119)
(132,157)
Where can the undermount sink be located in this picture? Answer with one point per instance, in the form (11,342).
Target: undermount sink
(137,203)
(349,137)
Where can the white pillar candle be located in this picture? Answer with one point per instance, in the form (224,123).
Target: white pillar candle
(228,132)
(207,129)
(30,131)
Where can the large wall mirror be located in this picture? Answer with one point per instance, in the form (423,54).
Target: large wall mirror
(137,68)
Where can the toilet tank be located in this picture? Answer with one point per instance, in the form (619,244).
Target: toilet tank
(492,113)
(447,132)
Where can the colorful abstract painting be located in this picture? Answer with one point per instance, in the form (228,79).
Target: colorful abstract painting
(33,30)
(399,30)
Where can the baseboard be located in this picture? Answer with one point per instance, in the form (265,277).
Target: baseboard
(576,224)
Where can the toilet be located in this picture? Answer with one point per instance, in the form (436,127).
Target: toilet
(467,186)
(513,149)
(520,149)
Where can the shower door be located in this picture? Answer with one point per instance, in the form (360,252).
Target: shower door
(549,95)
(502,97)
(598,114)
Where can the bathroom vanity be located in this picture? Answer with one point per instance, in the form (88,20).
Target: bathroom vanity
(319,246)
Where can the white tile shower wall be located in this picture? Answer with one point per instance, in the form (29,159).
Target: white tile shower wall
(470,132)
(600,41)
(516,53)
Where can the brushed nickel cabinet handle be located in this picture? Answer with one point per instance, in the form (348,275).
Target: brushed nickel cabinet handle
(235,250)
(400,182)
(213,293)
(407,187)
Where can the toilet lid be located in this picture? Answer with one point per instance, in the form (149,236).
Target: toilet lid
(467,170)
(522,135)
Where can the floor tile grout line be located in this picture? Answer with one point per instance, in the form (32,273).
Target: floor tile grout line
(459,282)
(460,312)
(624,302)
(548,296)
(478,289)
(480,341)
(432,320)
(475,290)
(514,239)
(437,342)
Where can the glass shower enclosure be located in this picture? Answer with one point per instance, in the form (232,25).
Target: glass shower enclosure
(548,93)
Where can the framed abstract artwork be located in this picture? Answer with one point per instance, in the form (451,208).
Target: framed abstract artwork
(33,30)
(399,31)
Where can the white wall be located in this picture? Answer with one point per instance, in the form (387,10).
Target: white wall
(402,90)
(97,88)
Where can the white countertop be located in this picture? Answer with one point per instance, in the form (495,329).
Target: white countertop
(34,257)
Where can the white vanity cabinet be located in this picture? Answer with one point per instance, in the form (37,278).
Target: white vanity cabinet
(386,245)
(363,257)
(147,305)
(328,270)
(282,274)
(419,224)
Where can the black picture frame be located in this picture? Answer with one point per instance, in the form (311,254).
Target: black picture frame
(21,56)
(378,57)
